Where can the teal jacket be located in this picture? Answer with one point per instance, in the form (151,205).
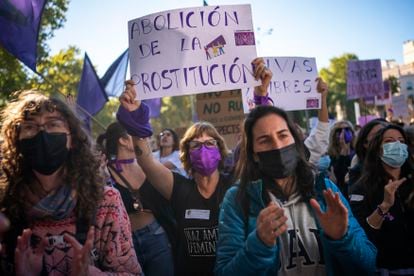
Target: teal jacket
(241,252)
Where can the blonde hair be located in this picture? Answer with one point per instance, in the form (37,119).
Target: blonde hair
(334,148)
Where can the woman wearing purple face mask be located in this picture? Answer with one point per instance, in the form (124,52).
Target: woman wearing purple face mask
(195,201)
(341,151)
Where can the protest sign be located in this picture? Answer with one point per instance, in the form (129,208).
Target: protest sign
(363,120)
(364,79)
(192,50)
(400,107)
(293,85)
(225,111)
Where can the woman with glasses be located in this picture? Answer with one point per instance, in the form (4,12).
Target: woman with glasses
(341,151)
(196,200)
(383,201)
(63,219)
(168,153)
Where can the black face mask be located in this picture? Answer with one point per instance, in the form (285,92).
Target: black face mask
(278,163)
(45,152)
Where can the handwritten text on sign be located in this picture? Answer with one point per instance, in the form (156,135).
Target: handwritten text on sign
(364,79)
(194,50)
(293,85)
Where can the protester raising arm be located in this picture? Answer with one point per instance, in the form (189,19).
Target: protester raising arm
(318,140)
(134,115)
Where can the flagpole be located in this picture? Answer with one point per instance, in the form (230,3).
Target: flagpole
(80,107)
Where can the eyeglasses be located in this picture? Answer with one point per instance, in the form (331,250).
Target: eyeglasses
(168,134)
(29,129)
(194,145)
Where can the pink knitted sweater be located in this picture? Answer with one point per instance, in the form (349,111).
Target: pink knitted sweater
(113,241)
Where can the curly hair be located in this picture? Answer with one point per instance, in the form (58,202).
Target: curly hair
(81,166)
(195,131)
(333,148)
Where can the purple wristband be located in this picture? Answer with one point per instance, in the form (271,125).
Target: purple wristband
(135,122)
(261,100)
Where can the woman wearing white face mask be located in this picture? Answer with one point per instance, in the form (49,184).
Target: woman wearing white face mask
(383,201)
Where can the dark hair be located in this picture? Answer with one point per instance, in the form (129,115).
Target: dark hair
(374,177)
(247,169)
(176,144)
(361,141)
(82,164)
(109,139)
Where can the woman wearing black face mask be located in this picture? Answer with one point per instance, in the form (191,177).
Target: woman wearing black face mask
(281,219)
(63,219)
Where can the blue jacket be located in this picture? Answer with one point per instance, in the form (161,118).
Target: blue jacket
(243,253)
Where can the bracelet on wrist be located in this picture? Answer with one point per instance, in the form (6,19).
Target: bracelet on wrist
(372,226)
(386,215)
(261,100)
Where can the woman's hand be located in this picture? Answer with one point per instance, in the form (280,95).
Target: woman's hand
(389,193)
(128,97)
(28,260)
(334,221)
(81,254)
(270,224)
(344,147)
(264,74)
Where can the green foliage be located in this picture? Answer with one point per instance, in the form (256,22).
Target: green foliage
(176,112)
(394,85)
(335,77)
(13,75)
(61,73)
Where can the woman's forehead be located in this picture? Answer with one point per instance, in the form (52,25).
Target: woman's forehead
(42,114)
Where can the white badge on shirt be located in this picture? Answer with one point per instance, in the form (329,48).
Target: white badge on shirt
(197,214)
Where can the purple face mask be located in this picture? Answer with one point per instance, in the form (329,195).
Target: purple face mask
(348,136)
(205,160)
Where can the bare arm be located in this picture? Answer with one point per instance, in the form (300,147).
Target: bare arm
(158,175)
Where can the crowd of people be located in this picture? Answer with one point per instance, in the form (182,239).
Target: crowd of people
(334,202)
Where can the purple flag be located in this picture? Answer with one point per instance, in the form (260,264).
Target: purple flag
(19,28)
(154,106)
(114,78)
(91,94)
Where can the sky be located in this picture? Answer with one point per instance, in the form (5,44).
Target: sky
(323,29)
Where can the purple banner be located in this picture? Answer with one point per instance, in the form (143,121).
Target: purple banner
(19,28)
(364,79)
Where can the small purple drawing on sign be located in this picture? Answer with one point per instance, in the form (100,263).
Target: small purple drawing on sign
(312,103)
(215,48)
(243,38)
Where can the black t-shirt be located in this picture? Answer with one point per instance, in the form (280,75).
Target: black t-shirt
(197,221)
(152,200)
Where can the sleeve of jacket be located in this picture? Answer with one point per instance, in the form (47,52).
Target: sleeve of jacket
(355,253)
(317,142)
(236,254)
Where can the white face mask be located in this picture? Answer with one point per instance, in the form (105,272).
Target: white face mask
(394,154)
